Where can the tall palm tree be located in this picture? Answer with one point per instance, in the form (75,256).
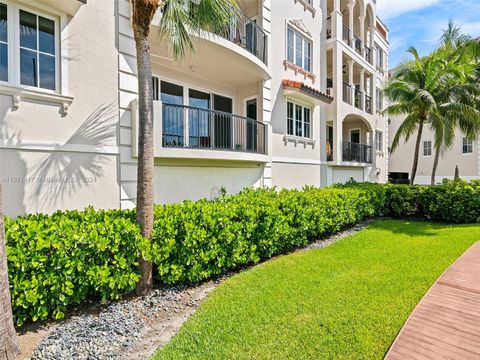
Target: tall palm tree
(8,338)
(410,92)
(179,22)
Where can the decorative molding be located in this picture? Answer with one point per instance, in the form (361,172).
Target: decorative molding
(299,25)
(298,140)
(20,94)
(307,6)
(299,70)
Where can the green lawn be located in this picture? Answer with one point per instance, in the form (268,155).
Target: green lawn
(347,301)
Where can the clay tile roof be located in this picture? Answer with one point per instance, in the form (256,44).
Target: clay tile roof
(307,90)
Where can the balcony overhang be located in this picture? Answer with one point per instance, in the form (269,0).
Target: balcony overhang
(69,7)
(292,87)
(215,59)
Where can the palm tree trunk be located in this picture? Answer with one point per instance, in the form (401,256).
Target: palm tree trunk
(8,338)
(142,15)
(435,165)
(417,152)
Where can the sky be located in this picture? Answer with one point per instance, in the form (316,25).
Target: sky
(420,23)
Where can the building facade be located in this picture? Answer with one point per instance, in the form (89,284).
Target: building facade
(464,154)
(288,96)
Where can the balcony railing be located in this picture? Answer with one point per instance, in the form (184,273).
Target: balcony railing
(353,152)
(347,93)
(368,54)
(245,32)
(357,44)
(358,99)
(329,27)
(346,34)
(197,128)
(368,104)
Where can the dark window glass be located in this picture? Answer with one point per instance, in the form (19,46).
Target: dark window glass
(171,93)
(3,23)
(28,30)
(199,118)
(3,62)
(28,67)
(46,35)
(306,124)
(290,119)
(298,120)
(290,45)
(47,72)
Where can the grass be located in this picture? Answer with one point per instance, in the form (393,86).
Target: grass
(347,301)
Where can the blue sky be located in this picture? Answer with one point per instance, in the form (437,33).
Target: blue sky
(420,22)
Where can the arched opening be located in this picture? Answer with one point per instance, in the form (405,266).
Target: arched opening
(357,137)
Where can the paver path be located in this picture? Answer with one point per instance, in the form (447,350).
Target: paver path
(446,323)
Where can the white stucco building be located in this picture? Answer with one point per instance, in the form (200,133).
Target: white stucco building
(289,96)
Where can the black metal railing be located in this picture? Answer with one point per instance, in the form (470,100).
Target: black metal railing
(347,93)
(245,32)
(357,43)
(368,104)
(358,99)
(368,54)
(191,127)
(346,34)
(353,152)
(329,27)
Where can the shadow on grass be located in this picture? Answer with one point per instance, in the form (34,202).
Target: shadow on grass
(414,227)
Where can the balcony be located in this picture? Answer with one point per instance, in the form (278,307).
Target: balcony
(347,93)
(353,152)
(204,129)
(368,54)
(245,33)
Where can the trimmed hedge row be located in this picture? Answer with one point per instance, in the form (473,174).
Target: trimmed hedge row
(68,257)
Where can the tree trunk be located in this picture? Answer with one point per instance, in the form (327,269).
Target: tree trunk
(435,165)
(8,338)
(417,153)
(142,15)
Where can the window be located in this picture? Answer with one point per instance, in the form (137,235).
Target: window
(379,52)
(379,100)
(298,120)
(3,43)
(427,148)
(467,147)
(379,140)
(31,40)
(299,50)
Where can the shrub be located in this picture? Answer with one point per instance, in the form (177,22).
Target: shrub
(68,257)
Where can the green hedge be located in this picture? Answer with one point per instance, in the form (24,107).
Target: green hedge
(68,257)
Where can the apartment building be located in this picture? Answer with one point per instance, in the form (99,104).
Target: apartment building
(464,154)
(288,96)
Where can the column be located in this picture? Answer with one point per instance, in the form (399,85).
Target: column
(372,46)
(350,80)
(351,5)
(362,88)
(361,18)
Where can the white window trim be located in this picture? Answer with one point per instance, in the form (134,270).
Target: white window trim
(13,87)
(381,143)
(424,148)
(303,105)
(472,146)
(305,39)
(350,134)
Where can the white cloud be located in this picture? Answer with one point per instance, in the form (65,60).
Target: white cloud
(388,9)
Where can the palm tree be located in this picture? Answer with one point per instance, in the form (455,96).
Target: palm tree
(8,339)
(179,22)
(457,98)
(410,92)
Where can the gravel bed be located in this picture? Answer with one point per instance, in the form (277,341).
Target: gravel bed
(134,328)
(108,332)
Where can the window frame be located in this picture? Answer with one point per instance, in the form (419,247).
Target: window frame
(379,95)
(425,148)
(467,144)
(302,121)
(14,49)
(380,54)
(379,140)
(305,40)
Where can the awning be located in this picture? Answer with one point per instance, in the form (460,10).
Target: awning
(301,88)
